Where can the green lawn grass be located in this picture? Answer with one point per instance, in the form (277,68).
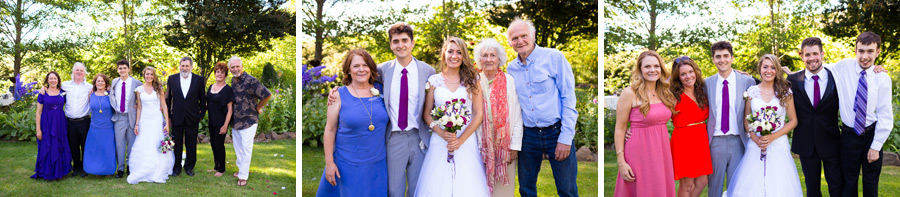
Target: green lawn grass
(268,174)
(314,163)
(888,184)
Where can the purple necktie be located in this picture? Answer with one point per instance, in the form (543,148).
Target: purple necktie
(862,93)
(816,96)
(122,101)
(725,110)
(404,100)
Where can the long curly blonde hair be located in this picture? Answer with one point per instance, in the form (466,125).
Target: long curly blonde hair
(662,87)
(157,86)
(468,76)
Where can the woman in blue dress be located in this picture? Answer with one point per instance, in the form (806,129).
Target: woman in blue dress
(53,159)
(100,143)
(355,155)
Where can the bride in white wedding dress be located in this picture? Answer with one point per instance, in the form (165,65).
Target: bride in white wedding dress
(464,176)
(776,175)
(146,162)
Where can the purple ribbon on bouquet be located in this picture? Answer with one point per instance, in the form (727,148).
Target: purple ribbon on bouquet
(452,170)
(762,157)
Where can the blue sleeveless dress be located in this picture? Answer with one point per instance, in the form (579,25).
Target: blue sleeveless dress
(359,154)
(100,142)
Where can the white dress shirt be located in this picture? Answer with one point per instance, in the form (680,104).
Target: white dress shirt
(733,117)
(77,97)
(809,85)
(878,104)
(117,90)
(185,85)
(412,77)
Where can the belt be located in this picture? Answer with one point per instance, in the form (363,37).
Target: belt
(557,125)
(79,119)
(693,124)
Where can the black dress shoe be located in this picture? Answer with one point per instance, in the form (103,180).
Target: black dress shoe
(119,174)
(189,172)
(84,174)
(176,172)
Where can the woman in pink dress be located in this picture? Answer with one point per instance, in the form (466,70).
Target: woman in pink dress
(645,161)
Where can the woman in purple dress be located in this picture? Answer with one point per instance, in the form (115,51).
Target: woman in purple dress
(54,159)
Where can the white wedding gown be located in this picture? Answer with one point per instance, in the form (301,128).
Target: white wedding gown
(145,161)
(437,176)
(774,176)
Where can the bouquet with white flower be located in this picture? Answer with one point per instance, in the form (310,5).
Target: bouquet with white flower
(451,117)
(167,144)
(764,121)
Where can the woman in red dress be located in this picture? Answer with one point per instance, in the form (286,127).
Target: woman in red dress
(689,143)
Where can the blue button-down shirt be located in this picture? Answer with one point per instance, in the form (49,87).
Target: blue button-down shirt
(546,89)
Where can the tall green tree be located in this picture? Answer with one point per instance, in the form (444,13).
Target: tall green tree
(849,18)
(556,22)
(640,24)
(212,30)
(22,23)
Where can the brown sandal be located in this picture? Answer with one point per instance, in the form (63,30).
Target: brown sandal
(241,182)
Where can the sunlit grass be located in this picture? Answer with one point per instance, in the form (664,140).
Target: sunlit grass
(269,173)
(314,163)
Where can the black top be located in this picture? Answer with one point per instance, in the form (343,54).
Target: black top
(217,106)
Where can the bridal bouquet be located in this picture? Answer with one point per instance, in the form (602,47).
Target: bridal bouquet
(451,117)
(166,144)
(764,121)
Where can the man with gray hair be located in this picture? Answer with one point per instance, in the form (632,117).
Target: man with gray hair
(77,92)
(250,96)
(186,99)
(546,91)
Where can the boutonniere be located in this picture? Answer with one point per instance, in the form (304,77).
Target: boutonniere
(62,94)
(427,86)
(105,93)
(374,91)
(746,96)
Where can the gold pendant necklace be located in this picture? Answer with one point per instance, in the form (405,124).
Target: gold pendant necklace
(371,126)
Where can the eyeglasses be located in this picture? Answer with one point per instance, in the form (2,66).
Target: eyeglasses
(680,59)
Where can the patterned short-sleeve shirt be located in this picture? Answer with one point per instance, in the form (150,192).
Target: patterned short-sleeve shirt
(247,93)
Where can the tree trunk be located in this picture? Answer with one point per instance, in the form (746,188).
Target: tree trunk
(320,29)
(654,12)
(774,27)
(18,48)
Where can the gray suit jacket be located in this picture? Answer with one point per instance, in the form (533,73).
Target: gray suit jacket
(116,92)
(386,71)
(742,83)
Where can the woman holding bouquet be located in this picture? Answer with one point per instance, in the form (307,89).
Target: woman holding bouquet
(645,161)
(53,157)
(690,147)
(453,164)
(355,154)
(100,145)
(501,130)
(147,161)
(767,168)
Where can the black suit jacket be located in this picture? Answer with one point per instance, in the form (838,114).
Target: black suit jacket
(817,128)
(190,109)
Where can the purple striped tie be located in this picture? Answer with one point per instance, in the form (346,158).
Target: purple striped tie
(862,93)
(725,111)
(404,100)
(122,101)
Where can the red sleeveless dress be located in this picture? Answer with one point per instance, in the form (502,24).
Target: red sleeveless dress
(689,143)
